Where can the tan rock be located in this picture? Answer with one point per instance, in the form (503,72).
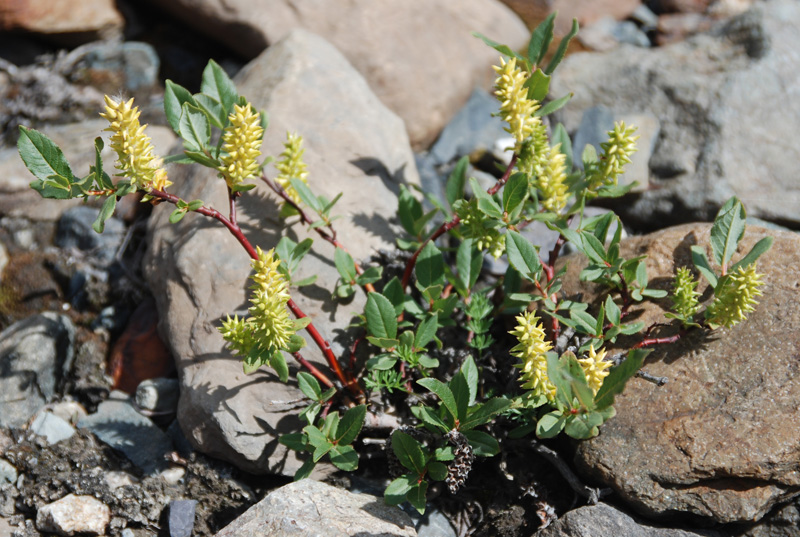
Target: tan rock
(418,56)
(721,440)
(74,514)
(589,11)
(65,20)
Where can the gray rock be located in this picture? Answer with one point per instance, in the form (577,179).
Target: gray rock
(603,519)
(645,16)
(158,395)
(593,130)
(3,257)
(628,32)
(51,427)
(75,231)
(130,64)
(35,355)
(181,517)
(74,514)
(724,112)
(473,128)
(309,508)
(719,441)
(419,56)
(118,424)
(353,145)
(8,474)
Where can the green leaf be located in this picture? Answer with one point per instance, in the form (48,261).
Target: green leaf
(552,106)
(583,426)
(515,192)
(483,444)
(315,437)
(458,386)
(758,249)
(540,41)
(194,128)
(350,425)
(306,196)
(217,84)
(176,216)
(381,317)
(614,383)
(205,160)
(469,261)
(613,313)
(309,385)
(105,213)
(428,416)
(538,85)
(409,210)
(443,391)
(485,413)
(457,180)
(703,265)
(396,492)
(345,265)
(560,136)
(45,160)
(430,266)
(408,451)
(437,471)
(296,342)
(486,203)
(101,177)
(426,331)
(194,205)
(278,362)
(523,256)
(416,496)
(727,230)
(394,292)
(562,48)
(371,275)
(174,97)
(559,376)
(470,372)
(295,441)
(213,109)
(502,49)
(577,379)
(305,470)
(583,321)
(344,458)
(550,424)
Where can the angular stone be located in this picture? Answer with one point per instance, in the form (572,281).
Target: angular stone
(51,427)
(181,517)
(74,514)
(308,508)
(715,96)
(419,56)
(198,271)
(721,440)
(35,355)
(599,519)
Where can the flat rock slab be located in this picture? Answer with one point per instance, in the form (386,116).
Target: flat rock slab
(308,508)
(199,272)
(419,56)
(727,102)
(721,440)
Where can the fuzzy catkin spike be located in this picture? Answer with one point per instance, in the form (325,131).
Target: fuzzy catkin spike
(291,165)
(474,226)
(551,181)
(736,297)
(135,157)
(684,297)
(617,153)
(595,367)
(241,145)
(516,108)
(532,349)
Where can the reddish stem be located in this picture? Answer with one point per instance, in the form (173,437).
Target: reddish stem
(313,370)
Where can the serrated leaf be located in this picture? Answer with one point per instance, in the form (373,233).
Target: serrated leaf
(394,292)
(457,180)
(562,48)
(408,451)
(443,392)
(315,437)
(305,470)
(213,109)
(417,496)
(105,213)
(371,275)
(45,160)
(758,249)
(470,372)
(174,97)
(194,128)
(523,256)
(345,265)
(426,331)
(614,383)
(217,84)
(728,230)
(396,492)
(381,317)
(702,264)
(344,458)
(430,266)
(309,385)
(350,425)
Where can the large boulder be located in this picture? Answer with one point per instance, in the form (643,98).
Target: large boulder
(727,104)
(720,441)
(199,272)
(417,55)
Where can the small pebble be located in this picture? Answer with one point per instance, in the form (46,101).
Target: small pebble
(74,514)
(181,518)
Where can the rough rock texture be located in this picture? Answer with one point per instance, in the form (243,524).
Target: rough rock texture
(728,101)
(720,441)
(603,519)
(309,508)
(418,56)
(69,21)
(198,272)
(74,514)
(17,199)
(35,356)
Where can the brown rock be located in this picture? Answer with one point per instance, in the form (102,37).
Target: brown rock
(589,11)
(676,27)
(418,56)
(681,6)
(69,22)
(721,440)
